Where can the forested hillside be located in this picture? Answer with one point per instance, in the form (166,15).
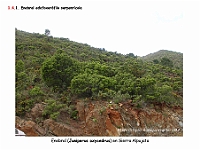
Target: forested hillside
(57,72)
(164,55)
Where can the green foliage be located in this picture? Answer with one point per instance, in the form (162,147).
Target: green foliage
(101,69)
(134,67)
(72,112)
(36,91)
(94,119)
(90,84)
(23,104)
(119,97)
(166,62)
(106,94)
(177,85)
(131,55)
(54,115)
(165,94)
(20,66)
(175,57)
(21,80)
(21,76)
(156,61)
(52,109)
(125,83)
(47,32)
(58,70)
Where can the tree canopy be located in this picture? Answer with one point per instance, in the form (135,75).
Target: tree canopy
(47,32)
(58,70)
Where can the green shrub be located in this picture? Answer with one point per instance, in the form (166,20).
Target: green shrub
(119,97)
(166,62)
(91,84)
(101,69)
(20,66)
(52,109)
(125,83)
(72,112)
(21,77)
(106,94)
(165,94)
(59,70)
(54,115)
(36,91)
(23,106)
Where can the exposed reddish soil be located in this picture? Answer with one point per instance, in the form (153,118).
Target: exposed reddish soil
(101,118)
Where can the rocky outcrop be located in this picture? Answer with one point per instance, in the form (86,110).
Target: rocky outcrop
(58,129)
(100,118)
(29,127)
(149,122)
(113,122)
(36,111)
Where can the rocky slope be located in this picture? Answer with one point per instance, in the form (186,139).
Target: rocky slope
(101,118)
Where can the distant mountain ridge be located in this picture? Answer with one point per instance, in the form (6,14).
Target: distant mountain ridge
(175,57)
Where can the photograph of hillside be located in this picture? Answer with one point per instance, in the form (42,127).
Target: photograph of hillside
(67,88)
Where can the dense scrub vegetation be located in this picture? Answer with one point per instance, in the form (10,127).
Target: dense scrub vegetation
(56,71)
